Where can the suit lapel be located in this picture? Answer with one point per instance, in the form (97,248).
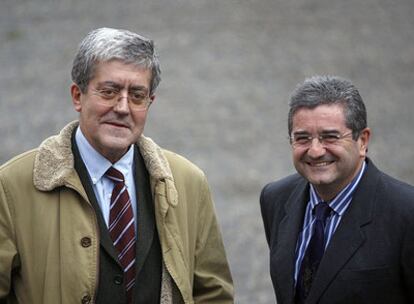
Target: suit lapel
(349,236)
(289,229)
(145,207)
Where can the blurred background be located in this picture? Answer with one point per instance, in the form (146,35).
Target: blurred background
(228,67)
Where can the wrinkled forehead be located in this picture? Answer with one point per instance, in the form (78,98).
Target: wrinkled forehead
(319,119)
(121,72)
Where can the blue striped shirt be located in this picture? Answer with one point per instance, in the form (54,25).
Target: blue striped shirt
(339,205)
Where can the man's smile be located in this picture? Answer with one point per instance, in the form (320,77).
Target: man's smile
(320,164)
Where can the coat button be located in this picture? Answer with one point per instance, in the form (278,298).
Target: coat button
(86,242)
(86,299)
(118,279)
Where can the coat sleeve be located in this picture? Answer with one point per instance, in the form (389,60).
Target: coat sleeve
(407,258)
(265,213)
(212,277)
(8,250)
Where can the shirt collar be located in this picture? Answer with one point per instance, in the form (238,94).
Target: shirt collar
(96,164)
(342,198)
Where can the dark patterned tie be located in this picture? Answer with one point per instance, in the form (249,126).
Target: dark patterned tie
(313,254)
(122,228)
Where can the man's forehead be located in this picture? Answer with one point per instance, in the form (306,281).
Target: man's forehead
(323,117)
(333,107)
(120,64)
(117,71)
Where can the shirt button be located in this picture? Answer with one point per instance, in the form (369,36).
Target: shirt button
(118,280)
(86,242)
(86,299)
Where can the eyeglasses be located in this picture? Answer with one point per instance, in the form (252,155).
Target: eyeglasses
(303,140)
(138,100)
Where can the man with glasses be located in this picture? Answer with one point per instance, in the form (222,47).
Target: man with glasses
(100,213)
(340,231)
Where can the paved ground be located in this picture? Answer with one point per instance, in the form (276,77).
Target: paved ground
(228,69)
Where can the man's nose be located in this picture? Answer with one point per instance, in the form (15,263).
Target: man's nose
(122,105)
(316,148)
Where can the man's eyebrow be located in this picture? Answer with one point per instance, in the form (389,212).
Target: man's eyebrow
(119,86)
(138,88)
(300,132)
(109,84)
(330,131)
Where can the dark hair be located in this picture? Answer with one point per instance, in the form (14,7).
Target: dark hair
(326,90)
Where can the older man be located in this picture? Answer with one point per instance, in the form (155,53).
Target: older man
(340,231)
(100,213)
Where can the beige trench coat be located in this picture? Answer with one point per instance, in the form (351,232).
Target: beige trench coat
(49,240)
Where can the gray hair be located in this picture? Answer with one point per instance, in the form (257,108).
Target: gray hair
(105,44)
(327,90)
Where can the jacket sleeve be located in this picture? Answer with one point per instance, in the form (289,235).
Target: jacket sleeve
(407,258)
(263,208)
(212,277)
(8,250)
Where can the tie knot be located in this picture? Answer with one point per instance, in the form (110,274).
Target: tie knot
(115,175)
(322,211)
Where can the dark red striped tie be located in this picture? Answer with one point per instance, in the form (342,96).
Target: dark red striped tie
(122,228)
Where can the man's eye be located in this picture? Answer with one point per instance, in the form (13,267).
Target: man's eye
(302,139)
(330,137)
(137,97)
(108,93)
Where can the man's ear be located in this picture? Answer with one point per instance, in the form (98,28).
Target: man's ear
(152,99)
(76,97)
(364,141)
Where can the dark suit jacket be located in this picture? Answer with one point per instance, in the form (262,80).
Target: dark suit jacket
(370,258)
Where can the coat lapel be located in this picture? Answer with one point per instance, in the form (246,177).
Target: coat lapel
(289,230)
(105,239)
(145,207)
(349,236)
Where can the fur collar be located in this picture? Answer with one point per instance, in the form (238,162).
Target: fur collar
(54,162)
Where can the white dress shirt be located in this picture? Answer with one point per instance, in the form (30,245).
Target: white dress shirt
(97,165)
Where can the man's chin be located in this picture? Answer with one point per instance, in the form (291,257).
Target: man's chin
(116,145)
(319,180)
